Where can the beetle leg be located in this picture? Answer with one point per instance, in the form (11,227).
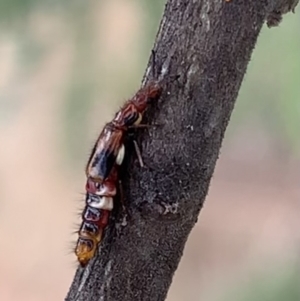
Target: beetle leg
(121,194)
(138,153)
(121,197)
(142,126)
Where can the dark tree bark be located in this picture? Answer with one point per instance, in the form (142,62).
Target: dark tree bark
(209,44)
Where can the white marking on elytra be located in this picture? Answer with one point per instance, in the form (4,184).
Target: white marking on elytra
(104,202)
(121,154)
(139,120)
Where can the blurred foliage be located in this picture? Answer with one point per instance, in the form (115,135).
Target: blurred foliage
(15,9)
(154,11)
(80,90)
(15,12)
(278,284)
(270,92)
(30,51)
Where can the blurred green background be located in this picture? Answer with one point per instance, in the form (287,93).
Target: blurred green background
(66,66)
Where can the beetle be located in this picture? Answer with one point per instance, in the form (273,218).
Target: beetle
(99,203)
(109,148)
(102,170)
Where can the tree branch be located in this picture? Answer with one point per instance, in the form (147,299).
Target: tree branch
(209,44)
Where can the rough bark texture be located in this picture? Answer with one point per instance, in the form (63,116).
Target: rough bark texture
(209,44)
